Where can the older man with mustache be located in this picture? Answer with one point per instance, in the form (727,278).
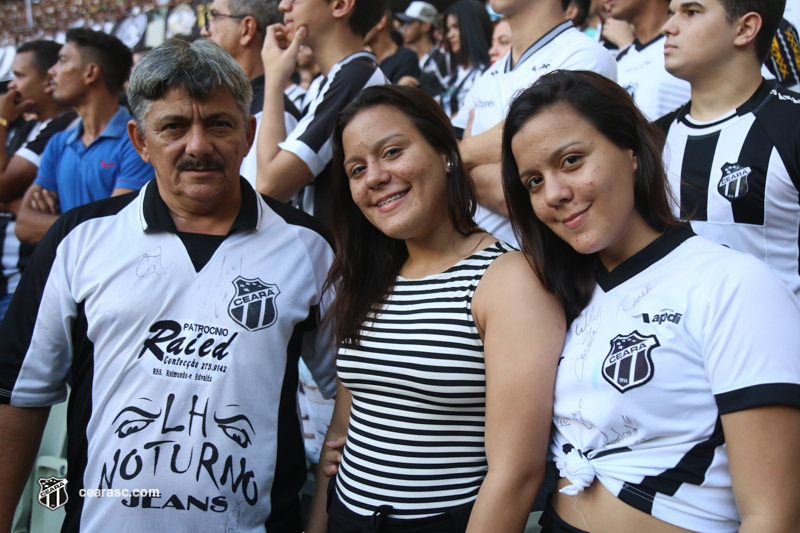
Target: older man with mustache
(181,312)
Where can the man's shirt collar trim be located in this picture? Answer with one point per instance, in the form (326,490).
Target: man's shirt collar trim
(154,214)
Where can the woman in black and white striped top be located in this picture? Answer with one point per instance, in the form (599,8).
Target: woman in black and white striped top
(448,342)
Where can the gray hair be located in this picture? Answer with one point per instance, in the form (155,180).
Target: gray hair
(265,12)
(198,68)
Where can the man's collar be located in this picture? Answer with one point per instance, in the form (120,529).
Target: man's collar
(155,215)
(116,128)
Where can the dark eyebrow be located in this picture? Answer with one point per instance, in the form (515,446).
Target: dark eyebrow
(378,143)
(171,118)
(687,5)
(221,114)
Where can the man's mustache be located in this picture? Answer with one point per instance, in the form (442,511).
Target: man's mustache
(189,163)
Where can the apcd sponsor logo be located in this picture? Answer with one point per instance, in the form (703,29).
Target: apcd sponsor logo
(662,317)
(253,306)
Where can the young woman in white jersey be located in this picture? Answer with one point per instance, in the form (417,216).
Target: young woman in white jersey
(678,393)
(448,344)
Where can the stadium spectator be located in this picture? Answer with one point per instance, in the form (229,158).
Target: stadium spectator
(395,61)
(412,265)
(577,11)
(239,27)
(28,92)
(501,40)
(95,160)
(680,366)
(615,34)
(732,152)
(469,33)
(211,363)
(296,165)
(542,41)
(640,66)
(419,26)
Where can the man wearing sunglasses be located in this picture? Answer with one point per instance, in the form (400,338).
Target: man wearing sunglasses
(239,27)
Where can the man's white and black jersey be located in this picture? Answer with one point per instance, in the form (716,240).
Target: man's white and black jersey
(678,335)
(291,116)
(418,384)
(183,351)
(563,47)
(311,139)
(641,72)
(737,178)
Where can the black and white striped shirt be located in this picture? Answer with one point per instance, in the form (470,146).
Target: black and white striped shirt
(416,435)
(737,178)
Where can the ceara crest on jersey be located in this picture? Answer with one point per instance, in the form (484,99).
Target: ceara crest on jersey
(733,183)
(52,492)
(253,306)
(628,364)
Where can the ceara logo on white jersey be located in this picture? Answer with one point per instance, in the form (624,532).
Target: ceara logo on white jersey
(628,364)
(253,306)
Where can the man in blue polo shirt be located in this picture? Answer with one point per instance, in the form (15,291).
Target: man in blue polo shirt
(95,160)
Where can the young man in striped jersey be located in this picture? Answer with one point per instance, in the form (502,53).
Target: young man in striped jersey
(733,152)
(640,66)
(296,165)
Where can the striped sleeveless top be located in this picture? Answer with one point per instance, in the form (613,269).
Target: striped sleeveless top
(416,435)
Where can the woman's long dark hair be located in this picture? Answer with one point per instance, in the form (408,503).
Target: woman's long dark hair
(476,30)
(606,106)
(367,261)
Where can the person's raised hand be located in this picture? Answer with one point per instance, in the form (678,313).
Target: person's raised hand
(12,105)
(279,53)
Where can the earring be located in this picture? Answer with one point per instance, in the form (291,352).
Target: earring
(448,166)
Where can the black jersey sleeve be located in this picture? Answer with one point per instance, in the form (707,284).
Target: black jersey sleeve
(315,129)
(38,310)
